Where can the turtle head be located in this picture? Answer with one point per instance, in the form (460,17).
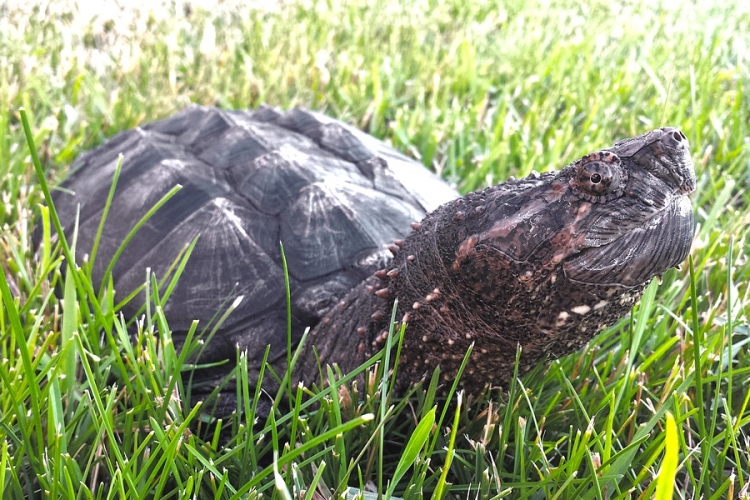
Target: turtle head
(615,217)
(643,225)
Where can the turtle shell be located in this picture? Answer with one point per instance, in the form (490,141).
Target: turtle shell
(334,196)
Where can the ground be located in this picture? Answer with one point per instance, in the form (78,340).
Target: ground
(479,91)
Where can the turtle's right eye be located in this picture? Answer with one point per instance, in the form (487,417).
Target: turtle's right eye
(599,177)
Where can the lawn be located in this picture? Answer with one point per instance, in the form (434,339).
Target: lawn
(656,406)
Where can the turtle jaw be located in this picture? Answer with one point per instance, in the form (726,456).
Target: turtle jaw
(641,253)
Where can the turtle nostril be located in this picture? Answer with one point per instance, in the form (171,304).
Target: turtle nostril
(678,136)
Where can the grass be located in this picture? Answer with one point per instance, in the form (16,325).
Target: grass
(479,91)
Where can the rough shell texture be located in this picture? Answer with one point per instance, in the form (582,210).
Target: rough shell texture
(333,195)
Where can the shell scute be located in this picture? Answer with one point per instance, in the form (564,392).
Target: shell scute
(334,196)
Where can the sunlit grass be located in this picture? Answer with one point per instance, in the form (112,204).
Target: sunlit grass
(477,90)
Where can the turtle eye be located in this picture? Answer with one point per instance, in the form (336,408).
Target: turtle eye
(599,177)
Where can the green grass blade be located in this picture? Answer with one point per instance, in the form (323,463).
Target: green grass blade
(412,449)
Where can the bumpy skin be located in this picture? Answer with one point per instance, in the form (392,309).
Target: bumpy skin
(545,262)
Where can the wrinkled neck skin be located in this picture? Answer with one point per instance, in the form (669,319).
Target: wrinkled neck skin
(451,300)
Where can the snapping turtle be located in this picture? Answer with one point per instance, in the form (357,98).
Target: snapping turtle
(544,262)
